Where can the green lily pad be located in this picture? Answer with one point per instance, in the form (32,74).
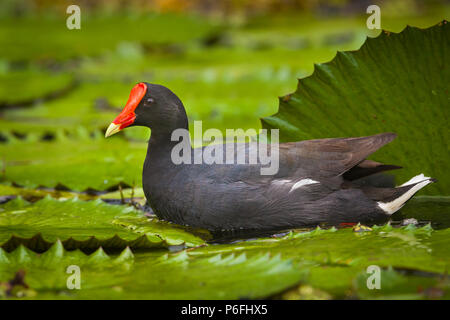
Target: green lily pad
(434,209)
(418,248)
(395,82)
(133,196)
(396,285)
(76,164)
(86,225)
(27,86)
(149,276)
(101,33)
(37,194)
(350,282)
(335,259)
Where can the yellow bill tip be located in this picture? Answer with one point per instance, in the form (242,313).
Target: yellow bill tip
(112,129)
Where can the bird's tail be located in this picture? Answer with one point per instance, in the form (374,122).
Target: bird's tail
(403,193)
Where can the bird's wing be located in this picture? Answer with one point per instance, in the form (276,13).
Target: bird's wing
(329,158)
(321,159)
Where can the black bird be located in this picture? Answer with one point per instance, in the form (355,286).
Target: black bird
(317,181)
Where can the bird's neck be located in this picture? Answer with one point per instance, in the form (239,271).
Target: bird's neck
(160,145)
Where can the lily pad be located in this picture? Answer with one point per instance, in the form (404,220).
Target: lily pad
(76,164)
(86,225)
(149,276)
(417,248)
(392,80)
(103,33)
(335,260)
(434,209)
(399,285)
(29,194)
(25,87)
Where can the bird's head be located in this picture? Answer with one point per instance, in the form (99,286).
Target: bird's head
(153,106)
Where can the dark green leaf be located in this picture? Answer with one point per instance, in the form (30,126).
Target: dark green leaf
(86,225)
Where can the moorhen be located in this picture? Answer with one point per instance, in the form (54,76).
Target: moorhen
(317,180)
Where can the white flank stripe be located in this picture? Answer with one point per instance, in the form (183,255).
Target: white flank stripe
(303,182)
(393,206)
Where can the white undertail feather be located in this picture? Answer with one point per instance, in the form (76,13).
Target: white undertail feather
(415,179)
(395,205)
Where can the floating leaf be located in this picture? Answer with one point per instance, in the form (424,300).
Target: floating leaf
(147,276)
(25,87)
(54,43)
(73,164)
(418,248)
(434,209)
(29,194)
(335,259)
(84,224)
(37,194)
(401,285)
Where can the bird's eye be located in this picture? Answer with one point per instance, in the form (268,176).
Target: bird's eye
(150,100)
